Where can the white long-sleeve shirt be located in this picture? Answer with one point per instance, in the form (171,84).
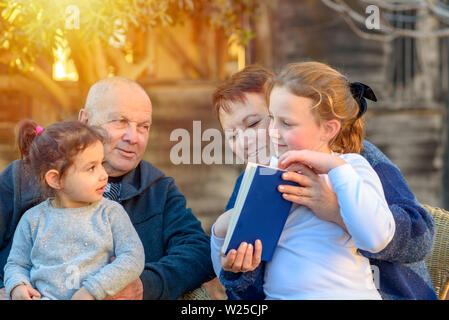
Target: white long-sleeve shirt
(316,259)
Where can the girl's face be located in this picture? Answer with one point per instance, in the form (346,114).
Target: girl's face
(85,180)
(293,126)
(246,128)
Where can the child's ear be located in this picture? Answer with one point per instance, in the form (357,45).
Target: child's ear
(84,116)
(331,129)
(53,179)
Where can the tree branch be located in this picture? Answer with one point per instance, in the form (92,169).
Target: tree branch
(405,5)
(136,69)
(389,33)
(99,58)
(133,70)
(117,58)
(52,87)
(6,57)
(179,54)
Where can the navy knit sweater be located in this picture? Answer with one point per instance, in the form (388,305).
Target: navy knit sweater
(402,270)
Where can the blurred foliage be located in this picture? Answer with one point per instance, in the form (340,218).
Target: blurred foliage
(32,28)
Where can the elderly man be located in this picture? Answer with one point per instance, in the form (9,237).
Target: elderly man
(177,252)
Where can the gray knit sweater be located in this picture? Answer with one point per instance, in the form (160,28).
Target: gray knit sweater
(57,251)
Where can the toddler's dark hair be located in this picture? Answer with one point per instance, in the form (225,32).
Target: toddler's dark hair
(56,147)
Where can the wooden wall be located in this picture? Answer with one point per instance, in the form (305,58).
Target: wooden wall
(409,132)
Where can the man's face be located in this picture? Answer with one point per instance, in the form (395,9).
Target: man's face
(126,116)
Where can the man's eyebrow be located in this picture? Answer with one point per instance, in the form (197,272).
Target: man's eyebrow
(114,115)
(145,122)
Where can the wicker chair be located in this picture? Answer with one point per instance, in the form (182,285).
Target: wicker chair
(197,294)
(438,260)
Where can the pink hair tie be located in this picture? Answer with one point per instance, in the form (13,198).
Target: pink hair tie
(39,130)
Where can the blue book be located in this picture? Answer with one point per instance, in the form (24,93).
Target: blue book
(260,211)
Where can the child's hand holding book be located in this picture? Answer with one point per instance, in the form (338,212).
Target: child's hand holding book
(245,258)
(313,192)
(319,162)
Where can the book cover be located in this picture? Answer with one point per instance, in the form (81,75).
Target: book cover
(260,211)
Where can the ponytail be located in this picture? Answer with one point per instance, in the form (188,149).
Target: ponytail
(26,132)
(350,137)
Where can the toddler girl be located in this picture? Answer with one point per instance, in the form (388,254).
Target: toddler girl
(62,248)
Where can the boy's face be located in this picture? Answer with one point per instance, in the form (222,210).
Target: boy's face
(246,128)
(293,126)
(85,180)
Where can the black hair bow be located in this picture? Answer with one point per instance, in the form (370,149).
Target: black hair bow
(361,91)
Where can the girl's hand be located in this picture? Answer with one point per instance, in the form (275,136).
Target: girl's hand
(24,292)
(244,259)
(318,161)
(314,193)
(82,294)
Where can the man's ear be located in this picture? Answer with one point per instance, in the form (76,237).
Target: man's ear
(84,116)
(53,179)
(331,129)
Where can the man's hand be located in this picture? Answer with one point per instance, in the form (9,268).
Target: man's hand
(24,292)
(244,259)
(133,291)
(3,295)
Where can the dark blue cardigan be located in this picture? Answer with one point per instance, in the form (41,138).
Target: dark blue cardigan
(177,250)
(403,273)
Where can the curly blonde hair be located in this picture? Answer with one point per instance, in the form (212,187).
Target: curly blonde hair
(331,94)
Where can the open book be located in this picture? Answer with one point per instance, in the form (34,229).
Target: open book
(260,211)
